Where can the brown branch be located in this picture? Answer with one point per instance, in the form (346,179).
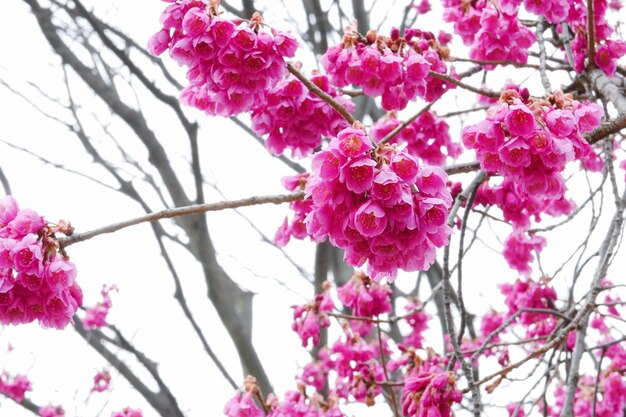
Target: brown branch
(606,129)
(321,94)
(591,34)
(444,77)
(181,211)
(404,124)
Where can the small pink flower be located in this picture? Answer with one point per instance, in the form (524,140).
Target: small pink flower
(101,381)
(358,174)
(519,120)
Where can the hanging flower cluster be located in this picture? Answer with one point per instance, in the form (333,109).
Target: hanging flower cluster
(231,63)
(493,34)
(531,294)
(296,119)
(394,67)
(14,387)
(96,316)
(36,281)
(366,298)
(310,318)
(377,204)
(430,394)
(531,140)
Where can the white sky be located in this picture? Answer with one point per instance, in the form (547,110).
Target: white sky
(58,363)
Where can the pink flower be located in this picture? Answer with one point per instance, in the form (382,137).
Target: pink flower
(370,220)
(519,120)
(352,142)
(14,387)
(27,255)
(308,319)
(8,210)
(101,381)
(60,273)
(242,405)
(429,394)
(358,174)
(518,249)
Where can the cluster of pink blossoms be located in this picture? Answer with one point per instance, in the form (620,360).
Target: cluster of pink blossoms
(608,51)
(518,210)
(101,381)
(294,118)
(531,140)
(308,319)
(295,404)
(377,204)
(495,34)
(366,298)
(426,137)
(418,320)
(428,394)
(393,67)
(492,34)
(51,411)
(609,401)
(529,294)
(36,282)
(14,387)
(232,63)
(96,316)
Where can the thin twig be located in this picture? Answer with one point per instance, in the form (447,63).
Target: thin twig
(542,56)
(444,77)
(321,94)
(181,211)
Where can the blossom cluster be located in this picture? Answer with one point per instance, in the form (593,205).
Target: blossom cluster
(530,294)
(366,298)
(308,319)
(101,381)
(359,371)
(295,404)
(377,204)
(417,319)
(95,317)
(608,51)
(36,281)
(231,63)
(394,67)
(519,210)
(14,387)
(301,208)
(493,34)
(430,394)
(427,137)
(531,140)
(601,396)
(294,118)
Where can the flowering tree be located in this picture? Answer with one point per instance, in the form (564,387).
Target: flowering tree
(388,182)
